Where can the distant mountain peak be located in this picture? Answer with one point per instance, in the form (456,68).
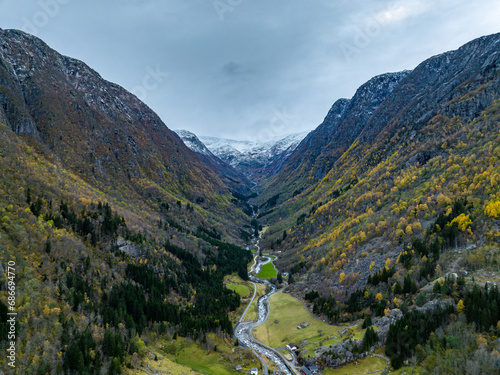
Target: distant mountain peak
(193,142)
(250,157)
(231,176)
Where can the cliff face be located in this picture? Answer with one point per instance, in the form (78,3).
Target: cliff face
(229,175)
(96,128)
(457,83)
(345,121)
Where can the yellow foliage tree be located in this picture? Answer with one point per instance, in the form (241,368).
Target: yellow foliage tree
(379,297)
(460,306)
(342,277)
(443,200)
(387,263)
(463,222)
(493,209)
(481,340)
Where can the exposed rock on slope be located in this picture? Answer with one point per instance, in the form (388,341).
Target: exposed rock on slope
(252,158)
(96,128)
(317,153)
(231,177)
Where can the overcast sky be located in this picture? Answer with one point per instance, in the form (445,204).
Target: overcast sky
(249,69)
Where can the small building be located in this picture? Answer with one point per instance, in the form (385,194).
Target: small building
(314,369)
(238,368)
(254,371)
(277,372)
(305,371)
(292,347)
(303,325)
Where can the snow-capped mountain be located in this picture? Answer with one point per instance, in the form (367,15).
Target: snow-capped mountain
(232,177)
(249,157)
(193,142)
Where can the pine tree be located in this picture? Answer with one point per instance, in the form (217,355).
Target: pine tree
(367,322)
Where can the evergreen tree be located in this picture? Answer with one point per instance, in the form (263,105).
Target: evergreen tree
(367,322)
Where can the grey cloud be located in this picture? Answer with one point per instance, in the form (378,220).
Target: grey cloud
(228,77)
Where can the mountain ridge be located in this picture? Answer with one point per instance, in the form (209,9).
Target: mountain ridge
(253,158)
(120,231)
(229,175)
(453,87)
(115,137)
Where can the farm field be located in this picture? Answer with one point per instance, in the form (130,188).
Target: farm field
(162,364)
(290,313)
(190,356)
(242,290)
(268,271)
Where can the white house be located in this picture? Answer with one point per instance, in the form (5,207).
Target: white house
(254,371)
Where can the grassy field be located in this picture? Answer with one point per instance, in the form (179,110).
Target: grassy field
(194,360)
(268,271)
(357,331)
(290,313)
(162,364)
(365,366)
(407,371)
(202,362)
(241,289)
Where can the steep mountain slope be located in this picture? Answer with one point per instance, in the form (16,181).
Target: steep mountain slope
(390,101)
(230,176)
(98,130)
(431,121)
(253,158)
(404,220)
(316,154)
(115,230)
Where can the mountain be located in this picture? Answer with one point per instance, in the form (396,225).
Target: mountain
(317,153)
(194,143)
(384,165)
(114,229)
(457,83)
(390,208)
(252,158)
(390,117)
(229,175)
(96,129)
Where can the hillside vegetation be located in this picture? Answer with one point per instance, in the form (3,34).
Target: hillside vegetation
(408,209)
(118,233)
(122,239)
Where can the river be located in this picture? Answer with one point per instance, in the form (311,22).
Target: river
(243,331)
